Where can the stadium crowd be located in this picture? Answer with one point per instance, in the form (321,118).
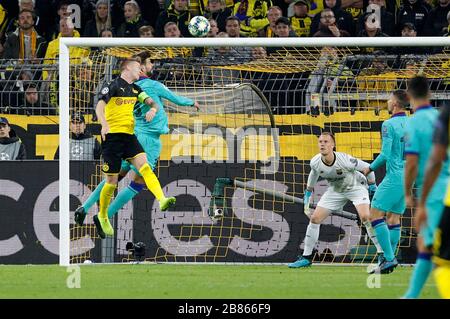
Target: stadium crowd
(30,32)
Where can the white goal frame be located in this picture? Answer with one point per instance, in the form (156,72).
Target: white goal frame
(64,83)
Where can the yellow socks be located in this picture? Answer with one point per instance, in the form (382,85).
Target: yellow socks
(442,278)
(105,198)
(152,181)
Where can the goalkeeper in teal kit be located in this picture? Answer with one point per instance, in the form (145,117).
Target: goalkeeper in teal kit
(148,134)
(389,199)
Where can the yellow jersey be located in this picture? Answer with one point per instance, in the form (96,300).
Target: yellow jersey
(120,98)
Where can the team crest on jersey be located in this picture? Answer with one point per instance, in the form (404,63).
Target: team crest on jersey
(105,167)
(105,90)
(119,101)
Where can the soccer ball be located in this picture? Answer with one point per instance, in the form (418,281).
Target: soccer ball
(199,26)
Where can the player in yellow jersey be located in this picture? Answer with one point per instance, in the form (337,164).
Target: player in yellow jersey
(117,101)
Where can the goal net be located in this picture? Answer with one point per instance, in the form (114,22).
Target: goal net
(239,166)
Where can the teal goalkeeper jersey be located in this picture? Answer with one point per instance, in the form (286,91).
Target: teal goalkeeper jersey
(419,141)
(393,146)
(157,91)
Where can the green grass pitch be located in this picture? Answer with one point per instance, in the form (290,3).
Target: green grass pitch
(203,281)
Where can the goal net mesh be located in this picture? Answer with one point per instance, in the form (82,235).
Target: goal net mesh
(261,114)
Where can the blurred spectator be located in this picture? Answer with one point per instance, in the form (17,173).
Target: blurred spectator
(150,9)
(101,21)
(448,28)
(83,146)
(52,53)
(300,21)
(412,11)
(214,28)
(409,30)
(372,27)
(252,15)
(11,147)
(218,11)
(232,27)
(387,18)
(355,8)
(273,15)
(259,53)
(62,10)
(178,13)
(327,26)
(107,33)
(25,43)
(133,20)
(171,31)
(283,30)
(146,31)
(343,19)
(32,104)
(8,11)
(12,95)
(437,23)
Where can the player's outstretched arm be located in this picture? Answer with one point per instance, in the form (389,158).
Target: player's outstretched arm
(165,93)
(362,167)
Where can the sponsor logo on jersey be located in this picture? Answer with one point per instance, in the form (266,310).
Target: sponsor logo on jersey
(105,167)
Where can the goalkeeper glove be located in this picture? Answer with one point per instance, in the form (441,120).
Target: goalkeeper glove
(306,200)
(372,190)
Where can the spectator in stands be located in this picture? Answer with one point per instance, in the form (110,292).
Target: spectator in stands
(146,31)
(273,15)
(372,27)
(218,11)
(171,31)
(12,95)
(328,27)
(107,33)
(25,43)
(32,104)
(101,21)
(252,15)
(437,23)
(344,20)
(52,53)
(447,33)
(11,147)
(214,28)
(8,11)
(150,10)
(283,30)
(232,27)
(178,13)
(83,146)
(409,30)
(259,53)
(415,12)
(62,10)
(387,18)
(133,20)
(300,21)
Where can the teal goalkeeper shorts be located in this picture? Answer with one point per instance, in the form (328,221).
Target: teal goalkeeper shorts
(435,208)
(152,148)
(390,196)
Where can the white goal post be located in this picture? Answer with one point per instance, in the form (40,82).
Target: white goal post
(64,83)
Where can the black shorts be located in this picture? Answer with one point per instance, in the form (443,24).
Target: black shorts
(441,245)
(118,147)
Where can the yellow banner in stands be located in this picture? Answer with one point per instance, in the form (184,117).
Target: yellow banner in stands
(296,136)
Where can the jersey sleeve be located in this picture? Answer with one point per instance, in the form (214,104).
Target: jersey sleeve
(441,127)
(164,92)
(107,91)
(386,146)
(313,176)
(411,140)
